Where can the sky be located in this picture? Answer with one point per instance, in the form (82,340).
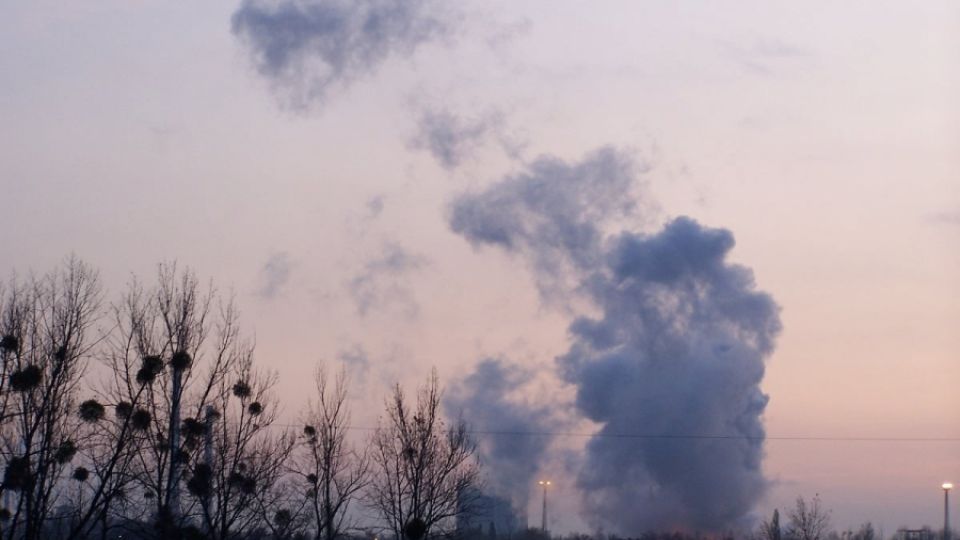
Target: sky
(323,171)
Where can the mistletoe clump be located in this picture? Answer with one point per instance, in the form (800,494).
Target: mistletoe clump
(201,481)
(65,452)
(26,379)
(141,419)
(151,367)
(123,409)
(17,475)
(241,389)
(181,360)
(9,343)
(81,474)
(91,411)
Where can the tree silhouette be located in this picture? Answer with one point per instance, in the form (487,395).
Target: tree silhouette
(423,469)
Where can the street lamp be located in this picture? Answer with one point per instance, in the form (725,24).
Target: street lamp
(543,514)
(947,486)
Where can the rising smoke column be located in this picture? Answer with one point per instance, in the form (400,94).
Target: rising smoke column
(676,354)
(514,440)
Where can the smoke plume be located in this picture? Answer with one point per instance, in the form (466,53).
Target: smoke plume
(669,364)
(307,47)
(514,437)
(551,214)
(451,138)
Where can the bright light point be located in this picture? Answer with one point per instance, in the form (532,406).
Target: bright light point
(947,485)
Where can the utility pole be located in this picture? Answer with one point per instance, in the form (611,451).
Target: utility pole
(543,514)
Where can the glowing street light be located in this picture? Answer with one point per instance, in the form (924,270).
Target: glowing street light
(543,515)
(947,486)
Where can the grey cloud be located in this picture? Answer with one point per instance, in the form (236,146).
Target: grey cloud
(675,345)
(308,48)
(516,433)
(274,275)
(382,281)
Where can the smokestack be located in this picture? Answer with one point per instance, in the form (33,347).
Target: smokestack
(173,485)
(210,415)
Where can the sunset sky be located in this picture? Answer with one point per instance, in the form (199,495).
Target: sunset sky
(319,187)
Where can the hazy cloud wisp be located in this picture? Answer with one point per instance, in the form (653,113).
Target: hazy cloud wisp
(381,282)
(274,275)
(451,138)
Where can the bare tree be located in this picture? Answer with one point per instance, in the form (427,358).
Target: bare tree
(865,532)
(334,471)
(175,356)
(181,409)
(425,471)
(241,457)
(45,349)
(808,521)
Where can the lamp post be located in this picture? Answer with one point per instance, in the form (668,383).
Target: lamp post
(947,486)
(543,514)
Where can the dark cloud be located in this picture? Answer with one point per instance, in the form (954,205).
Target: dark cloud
(382,281)
(515,437)
(274,275)
(308,48)
(674,345)
(451,138)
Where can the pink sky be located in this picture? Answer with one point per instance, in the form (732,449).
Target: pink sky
(825,137)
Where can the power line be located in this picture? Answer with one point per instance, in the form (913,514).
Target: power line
(675,436)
